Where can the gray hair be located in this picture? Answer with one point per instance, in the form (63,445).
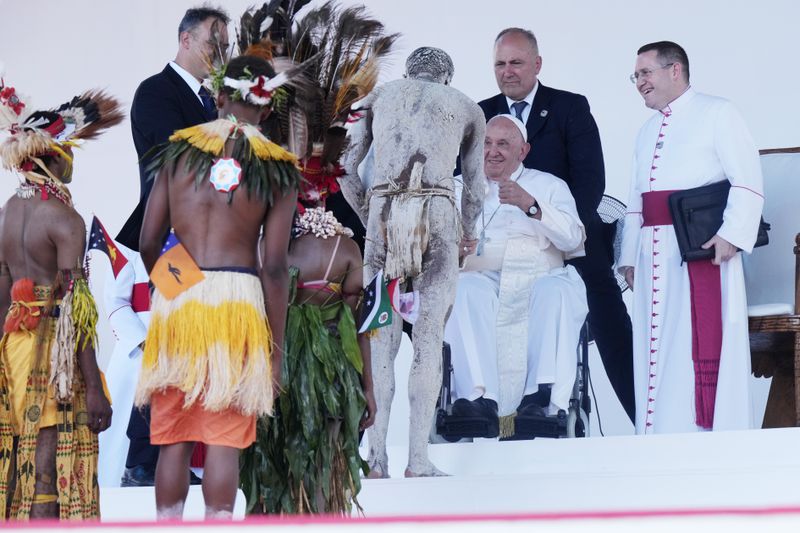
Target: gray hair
(197,15)
(429,63)
(527,34)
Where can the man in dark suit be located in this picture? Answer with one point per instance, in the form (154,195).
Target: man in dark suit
(565,142)
(170,100)
(174,98)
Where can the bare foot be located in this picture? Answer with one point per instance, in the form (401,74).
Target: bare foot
(429,471)
(378,465)
(375,473)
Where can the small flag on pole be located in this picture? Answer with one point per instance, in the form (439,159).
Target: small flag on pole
(175,271)
(100,240)
(376,310)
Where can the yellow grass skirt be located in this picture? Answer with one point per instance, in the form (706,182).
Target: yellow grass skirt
(213,343)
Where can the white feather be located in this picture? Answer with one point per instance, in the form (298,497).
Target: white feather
(238,84)
(265,25)
(276,82)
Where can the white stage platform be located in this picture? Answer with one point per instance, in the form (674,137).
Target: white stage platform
(756,469)
(746,521)
(743,469)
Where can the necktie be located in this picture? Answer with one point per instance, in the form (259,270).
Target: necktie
(518,108)
(208,103)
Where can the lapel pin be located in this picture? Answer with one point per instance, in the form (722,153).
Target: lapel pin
(543,113)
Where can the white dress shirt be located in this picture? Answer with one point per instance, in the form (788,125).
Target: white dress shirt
(529,99)
(193,83)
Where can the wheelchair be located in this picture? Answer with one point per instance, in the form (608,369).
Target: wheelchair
(570,424)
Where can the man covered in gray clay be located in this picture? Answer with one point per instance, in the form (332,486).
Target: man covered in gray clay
(414,129)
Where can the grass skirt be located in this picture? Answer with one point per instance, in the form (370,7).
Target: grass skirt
(305,459)
(213,343)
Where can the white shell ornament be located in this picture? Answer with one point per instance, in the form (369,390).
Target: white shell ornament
(225,174)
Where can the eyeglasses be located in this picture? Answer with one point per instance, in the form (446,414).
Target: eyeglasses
(645,73)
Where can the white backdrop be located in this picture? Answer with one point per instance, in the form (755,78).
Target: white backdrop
(743,50)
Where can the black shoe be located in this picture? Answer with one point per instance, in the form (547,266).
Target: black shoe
(482,408)
(531,410)
(194,479)
(540,398)
(138,476)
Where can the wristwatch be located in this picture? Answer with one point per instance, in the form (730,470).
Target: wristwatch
(532,210)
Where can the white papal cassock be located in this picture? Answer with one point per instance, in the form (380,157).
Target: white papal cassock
(127,302)
(518,311)
(696,140)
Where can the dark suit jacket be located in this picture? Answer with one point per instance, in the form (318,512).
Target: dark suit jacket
(566,143)
(162,104)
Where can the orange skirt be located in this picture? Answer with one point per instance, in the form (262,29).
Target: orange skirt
(171,422)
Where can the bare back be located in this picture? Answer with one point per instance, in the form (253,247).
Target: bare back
(425,122)
(216,232)
(39,237)
(312,255)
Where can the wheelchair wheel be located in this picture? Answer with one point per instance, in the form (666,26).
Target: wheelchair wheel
(577,423)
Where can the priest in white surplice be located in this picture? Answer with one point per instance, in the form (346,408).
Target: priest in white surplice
(691,346)
(518,311)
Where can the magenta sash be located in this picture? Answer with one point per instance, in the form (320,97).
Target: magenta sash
(705,290)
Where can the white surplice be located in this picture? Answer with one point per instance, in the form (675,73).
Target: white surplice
(696,140)
(555,309)
(122,374)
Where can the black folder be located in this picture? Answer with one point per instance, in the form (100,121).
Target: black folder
(697,216)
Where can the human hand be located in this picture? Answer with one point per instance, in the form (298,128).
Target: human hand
(98,409)
(512,193)
(723,250)
(627,273)
(369,415)
(467,247)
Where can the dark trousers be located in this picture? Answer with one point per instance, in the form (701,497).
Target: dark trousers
(609,323)
(141,452)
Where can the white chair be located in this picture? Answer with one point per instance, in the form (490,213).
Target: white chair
(772,275)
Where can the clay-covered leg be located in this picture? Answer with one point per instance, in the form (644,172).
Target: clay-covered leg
(437,288)
(384,346)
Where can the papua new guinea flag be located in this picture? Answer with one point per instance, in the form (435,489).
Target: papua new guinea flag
(100,240)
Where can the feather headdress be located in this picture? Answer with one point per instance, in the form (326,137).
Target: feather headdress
(347,48)
(258,90)
(32,134)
